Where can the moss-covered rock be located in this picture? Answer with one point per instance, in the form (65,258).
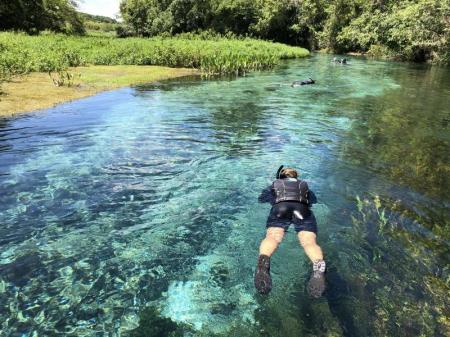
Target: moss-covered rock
(152,324)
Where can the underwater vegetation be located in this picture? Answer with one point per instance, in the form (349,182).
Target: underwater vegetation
(152,324)
(372,288)
(393,298)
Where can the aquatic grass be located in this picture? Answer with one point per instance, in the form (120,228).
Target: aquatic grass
(21,53)
(153,325)
(385,232)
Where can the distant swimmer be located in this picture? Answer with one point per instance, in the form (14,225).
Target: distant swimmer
(341,61)
(304,82)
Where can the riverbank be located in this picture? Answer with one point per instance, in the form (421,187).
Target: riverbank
(85,65)
(211,55)
(36,90)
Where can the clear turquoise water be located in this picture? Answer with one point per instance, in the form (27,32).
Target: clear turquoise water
(147,197)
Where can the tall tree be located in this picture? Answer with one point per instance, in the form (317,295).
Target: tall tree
(235,16)
(190,15)
(33,16)
(408,29)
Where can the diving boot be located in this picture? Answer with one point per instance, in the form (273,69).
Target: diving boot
(263,281)
(316,284)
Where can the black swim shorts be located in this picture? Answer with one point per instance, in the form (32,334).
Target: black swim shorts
(286,212)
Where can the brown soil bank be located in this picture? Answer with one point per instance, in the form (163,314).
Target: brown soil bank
(37,91)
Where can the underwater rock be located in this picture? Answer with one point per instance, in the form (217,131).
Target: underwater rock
(211,298)
(152,324)
(21,269)
(219,274)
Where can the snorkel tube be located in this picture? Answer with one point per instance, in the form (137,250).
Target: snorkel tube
(279,175)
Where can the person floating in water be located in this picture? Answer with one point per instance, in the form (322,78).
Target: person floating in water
(341,61)
(304,82)
(291,200)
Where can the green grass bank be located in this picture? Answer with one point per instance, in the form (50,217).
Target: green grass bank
(20,53)
(36,90)
(98,63)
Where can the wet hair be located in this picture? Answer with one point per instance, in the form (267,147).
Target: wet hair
(289,172)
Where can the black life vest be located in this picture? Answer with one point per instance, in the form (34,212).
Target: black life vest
(290,190)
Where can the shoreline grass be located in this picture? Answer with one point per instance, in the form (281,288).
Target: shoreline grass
(21,54)
(36,91)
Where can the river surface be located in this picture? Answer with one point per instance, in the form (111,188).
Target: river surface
(135,212)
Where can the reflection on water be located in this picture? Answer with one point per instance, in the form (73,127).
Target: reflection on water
(135,211)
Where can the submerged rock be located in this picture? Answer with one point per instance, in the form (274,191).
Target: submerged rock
(152,324)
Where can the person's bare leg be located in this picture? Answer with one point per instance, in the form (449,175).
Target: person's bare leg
(263,281)
(316,284)
(274,236)
(309,244)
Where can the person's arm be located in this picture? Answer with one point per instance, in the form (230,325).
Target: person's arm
(266,195)
(306,193)
(312,199)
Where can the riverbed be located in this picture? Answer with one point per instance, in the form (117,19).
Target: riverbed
(147,197)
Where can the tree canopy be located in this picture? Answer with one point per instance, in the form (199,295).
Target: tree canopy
(415,30)
(33,16)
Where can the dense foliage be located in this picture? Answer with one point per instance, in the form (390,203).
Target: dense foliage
(33,16)
(97,18)
(98,23)
(415,30)
(21,53)
(410,30)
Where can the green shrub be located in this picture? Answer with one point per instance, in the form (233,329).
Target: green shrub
(123,31)
(405,30)
(379,51)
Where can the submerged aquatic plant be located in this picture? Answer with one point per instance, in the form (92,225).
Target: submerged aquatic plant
(403,284)
(152,324)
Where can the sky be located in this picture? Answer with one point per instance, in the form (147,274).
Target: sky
(99,7)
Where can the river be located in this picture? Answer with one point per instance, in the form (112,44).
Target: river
(135,211)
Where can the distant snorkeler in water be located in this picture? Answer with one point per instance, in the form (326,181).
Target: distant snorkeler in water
(304,82)
(291,200)
(341,61)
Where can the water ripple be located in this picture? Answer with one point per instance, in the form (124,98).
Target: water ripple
(149,196)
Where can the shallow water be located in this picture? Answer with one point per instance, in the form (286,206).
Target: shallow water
(147,197)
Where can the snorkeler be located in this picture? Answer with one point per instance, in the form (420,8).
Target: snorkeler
(340,61)
(304,82)
(291,200)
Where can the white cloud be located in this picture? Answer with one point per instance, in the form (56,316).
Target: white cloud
(99,7)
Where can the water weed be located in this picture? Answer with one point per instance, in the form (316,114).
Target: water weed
(388,237)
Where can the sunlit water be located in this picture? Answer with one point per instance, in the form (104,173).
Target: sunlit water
(147,197)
